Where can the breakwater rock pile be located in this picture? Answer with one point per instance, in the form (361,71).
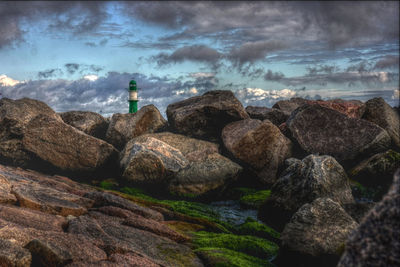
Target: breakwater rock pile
(78,189)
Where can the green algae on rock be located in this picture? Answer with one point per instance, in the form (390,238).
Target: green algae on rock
(254,200)
(254,228)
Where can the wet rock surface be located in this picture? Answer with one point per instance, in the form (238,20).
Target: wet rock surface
(205,116)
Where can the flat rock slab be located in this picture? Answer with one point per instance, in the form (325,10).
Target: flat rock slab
(5,191)
(325,131)
(48,200)
(25,217)
(13,255)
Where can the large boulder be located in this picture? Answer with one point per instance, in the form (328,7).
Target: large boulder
(325,131)
(88,122)
(316,233)
(124,127)
(205,174)
(33,135)
(260,145)
(377,172)
(276,116)
(351,108)
(376,242)
(148,161)
(13,255)
(380,113)
(205,116)
(303,182)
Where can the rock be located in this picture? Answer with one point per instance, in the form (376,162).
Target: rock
(376,242)
(46,138)
(379,112)
(31,218)
(351,108)
(316,232)
(276,116)
(303,182)
(209,173)
(13,255)
(106,199)
(124,127)
(205,116)
(377,172)
(88,122)
(322,130)
(359,209)
(5,191)
(131,259)
(149,161)
(260,145)
(48,200)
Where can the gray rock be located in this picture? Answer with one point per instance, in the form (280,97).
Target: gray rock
(276,116)
(148,161)
(88,122)
(303,182)
(318,228)
(205,116)
(376,242)
(261,145)
(380,113)
(124,127)
(322,130)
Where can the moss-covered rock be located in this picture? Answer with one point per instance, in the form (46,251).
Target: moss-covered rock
(254,228)
(254,246)
(255,199)
(222,257)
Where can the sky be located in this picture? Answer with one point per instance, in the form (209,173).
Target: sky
(81,55)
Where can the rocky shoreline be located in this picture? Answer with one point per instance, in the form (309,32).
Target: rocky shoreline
(78,189)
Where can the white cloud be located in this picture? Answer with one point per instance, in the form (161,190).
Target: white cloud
(193,90)
(7,81)
(91,77)
(202,75)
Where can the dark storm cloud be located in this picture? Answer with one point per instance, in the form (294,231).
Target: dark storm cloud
(150,45)
(390,61)
(71,67)
(322,69)
(49,73)
(335,23)
(198,53)
(76,17)
(273,76)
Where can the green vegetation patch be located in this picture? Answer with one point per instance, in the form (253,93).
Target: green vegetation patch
(255,199)
(254,246)
(254,228)
(137,192)
(222,257)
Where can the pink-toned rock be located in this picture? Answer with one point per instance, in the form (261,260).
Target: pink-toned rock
(351,108)
(13,255)
(37,197)
(261,145)
(131,259)
(31,218)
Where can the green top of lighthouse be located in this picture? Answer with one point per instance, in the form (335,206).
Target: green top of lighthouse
(132,85)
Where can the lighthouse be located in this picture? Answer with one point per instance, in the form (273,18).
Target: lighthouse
(133,100)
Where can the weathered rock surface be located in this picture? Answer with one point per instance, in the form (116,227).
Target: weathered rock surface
(303,182)
(88,122)
(63,223)
(13,255)
(276,116)
(124,127)
(205,116)
(377,171)
(380,113)
(322,130)
(5,191)
(206,173)
(261,145)
(149,161)
(376,242)
(317,230)
(351,108)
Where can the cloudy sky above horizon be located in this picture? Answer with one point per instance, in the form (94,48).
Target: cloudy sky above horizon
(81,55)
